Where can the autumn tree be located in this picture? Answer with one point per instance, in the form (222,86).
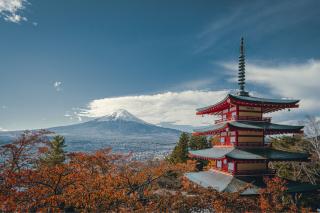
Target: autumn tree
(273,198)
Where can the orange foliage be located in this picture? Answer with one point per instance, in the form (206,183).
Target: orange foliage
(108,182)
(273,197)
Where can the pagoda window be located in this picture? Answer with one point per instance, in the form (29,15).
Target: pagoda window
(233,133)
(224,117)
(233,139)
(222,140)
(230,166)
(234,115)
(219,165)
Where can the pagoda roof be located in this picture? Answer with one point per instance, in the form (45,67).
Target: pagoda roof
(214,152)
(263,153)
(266,154)
(228,183)
(220,182)
(269,128)
(269,105)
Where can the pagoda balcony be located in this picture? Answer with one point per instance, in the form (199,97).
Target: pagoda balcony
(263,172)
(245,118)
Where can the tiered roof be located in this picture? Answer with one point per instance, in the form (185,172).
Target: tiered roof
(267,104)
(227,183)
(263,153)
(267,127)
(234,154)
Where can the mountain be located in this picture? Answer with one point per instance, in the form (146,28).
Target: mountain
(120,130)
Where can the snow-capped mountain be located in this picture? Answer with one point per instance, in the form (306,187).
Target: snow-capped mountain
(120,130)
(120,114)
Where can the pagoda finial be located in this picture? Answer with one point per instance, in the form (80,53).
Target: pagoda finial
(242,70)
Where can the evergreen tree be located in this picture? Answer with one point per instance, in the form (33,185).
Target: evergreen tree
(56,154)
(180,151)
(198,142)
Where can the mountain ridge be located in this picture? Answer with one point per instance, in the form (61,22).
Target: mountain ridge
(120,130)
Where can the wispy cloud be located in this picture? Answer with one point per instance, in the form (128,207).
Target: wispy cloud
(57,86)
(254,20)
(291,80)
(11,10)
(3,129)
(172,107)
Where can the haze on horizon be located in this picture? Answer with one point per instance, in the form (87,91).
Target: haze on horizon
(65,62)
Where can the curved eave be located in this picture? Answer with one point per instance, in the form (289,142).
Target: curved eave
(267,154)
(268,128)
(214,108)
(211,153)
(210,130)
(268,105)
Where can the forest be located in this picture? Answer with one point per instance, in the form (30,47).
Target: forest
(38,175)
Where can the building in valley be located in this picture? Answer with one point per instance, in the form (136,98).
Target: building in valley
(241,155)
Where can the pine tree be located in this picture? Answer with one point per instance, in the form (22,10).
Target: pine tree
(56,154)
(180,151)
(198,142)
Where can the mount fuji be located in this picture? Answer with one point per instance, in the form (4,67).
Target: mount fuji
(121,131)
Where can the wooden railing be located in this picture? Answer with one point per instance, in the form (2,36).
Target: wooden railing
(255,172)
(237,118)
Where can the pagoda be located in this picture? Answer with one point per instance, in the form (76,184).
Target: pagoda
(241,154)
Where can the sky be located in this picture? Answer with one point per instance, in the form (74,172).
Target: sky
(65,62)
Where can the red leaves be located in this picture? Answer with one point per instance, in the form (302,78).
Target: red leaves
(106,182)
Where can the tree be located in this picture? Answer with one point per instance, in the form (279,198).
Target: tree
(55,154)
(312,130)
(198,142)
(180,151)
(273,198)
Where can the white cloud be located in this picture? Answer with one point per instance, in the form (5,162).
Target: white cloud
(10,9)
(3,130)
(58,86)
(285,80)
(174,107)
(298,80)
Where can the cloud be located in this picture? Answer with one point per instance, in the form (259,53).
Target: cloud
(10,10)
(256,19)
(3,130)
(291,80)
(57,86)
(177,108)
(73,115)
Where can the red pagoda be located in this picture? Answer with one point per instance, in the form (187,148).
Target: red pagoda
(241,154)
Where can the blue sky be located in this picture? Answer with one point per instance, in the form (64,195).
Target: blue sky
(66,61)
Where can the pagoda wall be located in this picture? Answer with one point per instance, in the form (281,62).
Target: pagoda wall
(240,138)
(251,166)
(238,112)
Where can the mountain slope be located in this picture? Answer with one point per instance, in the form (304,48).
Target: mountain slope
(120,130)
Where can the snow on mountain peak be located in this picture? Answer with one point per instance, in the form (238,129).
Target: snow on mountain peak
(122,115)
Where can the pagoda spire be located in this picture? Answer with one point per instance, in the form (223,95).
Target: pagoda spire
(242,71)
